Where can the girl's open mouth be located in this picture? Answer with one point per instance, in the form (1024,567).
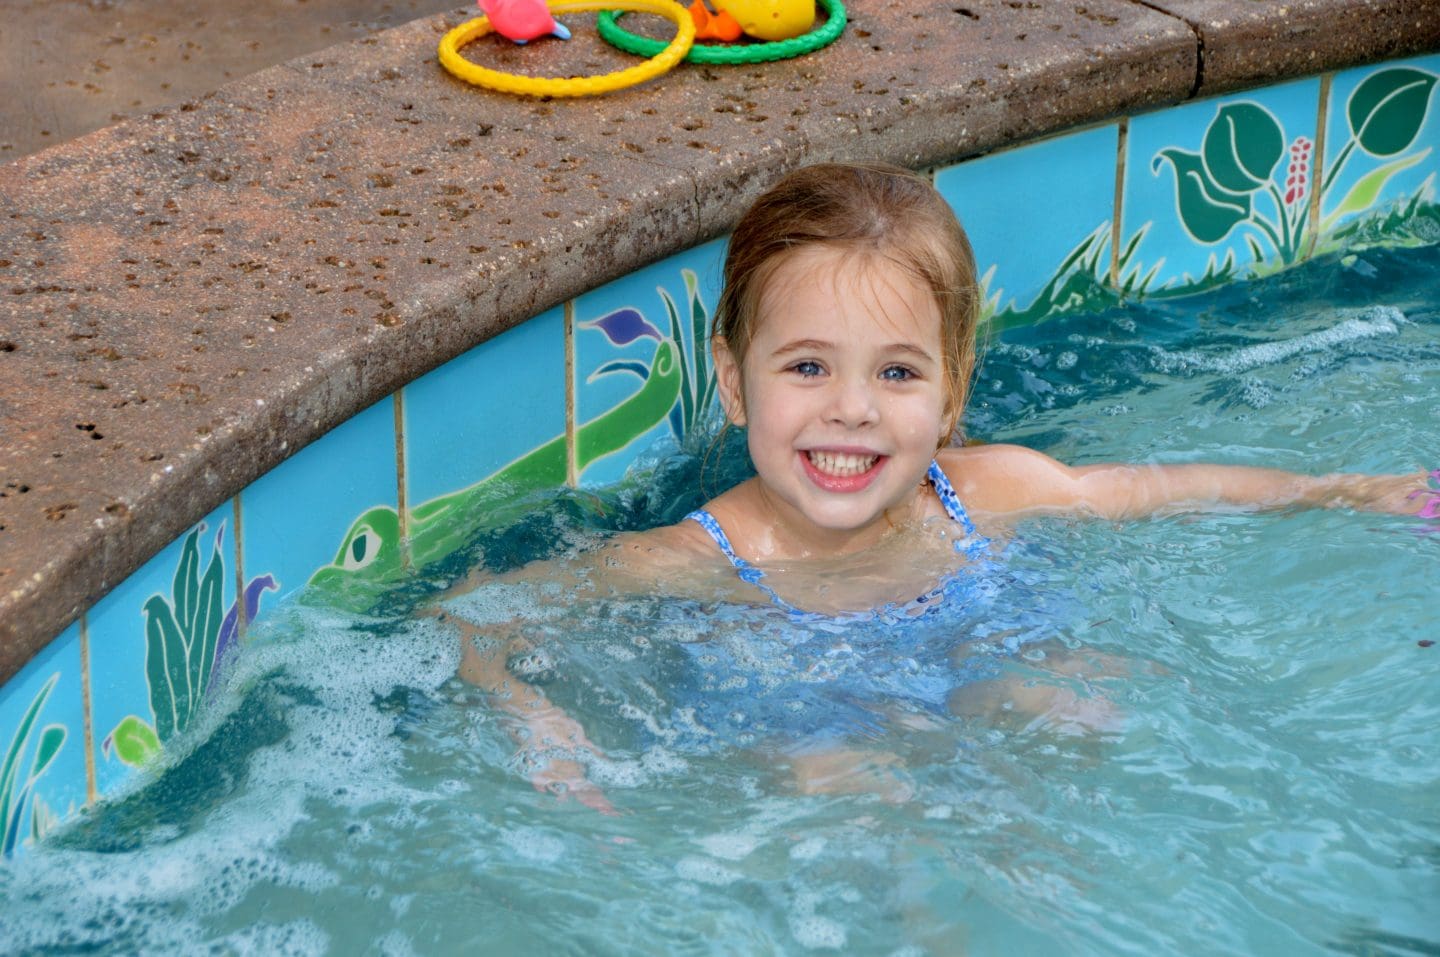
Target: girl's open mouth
(841,471)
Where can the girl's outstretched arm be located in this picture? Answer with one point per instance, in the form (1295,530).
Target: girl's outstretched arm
(1012,479)
(537,725)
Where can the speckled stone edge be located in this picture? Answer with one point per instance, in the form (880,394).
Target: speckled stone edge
(191,297)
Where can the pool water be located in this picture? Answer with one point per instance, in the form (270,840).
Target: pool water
(1241,755)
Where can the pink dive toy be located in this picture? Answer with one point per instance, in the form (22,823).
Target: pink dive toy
(522,20)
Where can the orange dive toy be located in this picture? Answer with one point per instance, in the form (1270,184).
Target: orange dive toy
(713,26)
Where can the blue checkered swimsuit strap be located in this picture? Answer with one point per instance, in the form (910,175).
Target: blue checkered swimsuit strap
(754,576)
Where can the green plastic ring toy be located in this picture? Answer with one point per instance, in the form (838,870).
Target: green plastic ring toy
(730,54)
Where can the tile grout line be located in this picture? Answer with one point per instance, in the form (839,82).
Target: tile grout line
(87,708)
(572,478)
(1317,168)
(401,479)
(238,534)
(1118,207)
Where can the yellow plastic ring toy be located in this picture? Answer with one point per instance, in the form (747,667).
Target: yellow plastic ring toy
(462,68)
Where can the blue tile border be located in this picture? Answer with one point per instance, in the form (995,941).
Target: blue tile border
(303,515)
(642,362)
(483,410)
(1036,256)
(42,744)
(1382,147)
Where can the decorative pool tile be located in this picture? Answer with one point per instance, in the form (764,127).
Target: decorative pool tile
(1039,220)
(42,744)
(480,412)
(332,503)
(642,361)
(1382,153)
(1217,190)
(482,430)
(158,642)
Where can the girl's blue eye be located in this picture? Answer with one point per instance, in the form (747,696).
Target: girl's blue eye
(897,374)
(807,368)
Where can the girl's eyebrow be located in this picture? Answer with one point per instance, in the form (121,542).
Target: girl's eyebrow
(909,349)
(820,345)
(803,345)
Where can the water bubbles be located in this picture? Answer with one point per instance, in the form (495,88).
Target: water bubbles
(534,844)
(811,930)
(1256,393)
(808,849)
(704,870)
(731,846)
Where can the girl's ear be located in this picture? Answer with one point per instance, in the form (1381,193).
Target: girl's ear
(727,381)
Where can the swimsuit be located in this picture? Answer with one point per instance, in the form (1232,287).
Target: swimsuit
(769,671)
(972,545)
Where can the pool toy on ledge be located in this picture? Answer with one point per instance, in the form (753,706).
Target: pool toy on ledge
(771,20)
(522,20)
(714,26)
(783,16)
(664,57)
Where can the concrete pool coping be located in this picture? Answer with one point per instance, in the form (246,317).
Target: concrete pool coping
(192,296)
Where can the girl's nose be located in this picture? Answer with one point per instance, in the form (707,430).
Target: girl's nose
(852,404)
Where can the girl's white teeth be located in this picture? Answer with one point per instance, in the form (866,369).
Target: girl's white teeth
(841,463)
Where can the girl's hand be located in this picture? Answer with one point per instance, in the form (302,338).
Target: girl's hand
(1428,497)
(565,778)
(551,730)
(1417,493)
(842,770)
(539,727)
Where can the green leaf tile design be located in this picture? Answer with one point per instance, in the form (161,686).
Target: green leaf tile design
(186,638)
(16,791)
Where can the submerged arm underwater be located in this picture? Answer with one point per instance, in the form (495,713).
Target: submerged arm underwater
(550,741)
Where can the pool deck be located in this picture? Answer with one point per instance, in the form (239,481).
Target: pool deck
(191,296)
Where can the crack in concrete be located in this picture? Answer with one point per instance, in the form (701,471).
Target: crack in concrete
(1199,33)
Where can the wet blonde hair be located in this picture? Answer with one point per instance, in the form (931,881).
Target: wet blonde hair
(879,212)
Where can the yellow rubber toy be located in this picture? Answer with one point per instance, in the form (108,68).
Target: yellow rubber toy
(451,59)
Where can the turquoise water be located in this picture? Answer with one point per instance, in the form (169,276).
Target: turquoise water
(1239,753)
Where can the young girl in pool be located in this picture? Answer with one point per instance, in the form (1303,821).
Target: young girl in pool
(844,345)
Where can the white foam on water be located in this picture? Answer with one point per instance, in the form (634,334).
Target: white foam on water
(734,846)
(150,900)
(298,938)
(808,849)
(500,603)
(396,944)
(653,763)
(814,932)
(341,749)
(534,844)
(705,870)
(1371,323)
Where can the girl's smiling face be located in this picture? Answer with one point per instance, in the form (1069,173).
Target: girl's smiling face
(842,390)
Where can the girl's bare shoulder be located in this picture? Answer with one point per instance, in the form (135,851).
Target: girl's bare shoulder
(684,539)
(1003,478)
